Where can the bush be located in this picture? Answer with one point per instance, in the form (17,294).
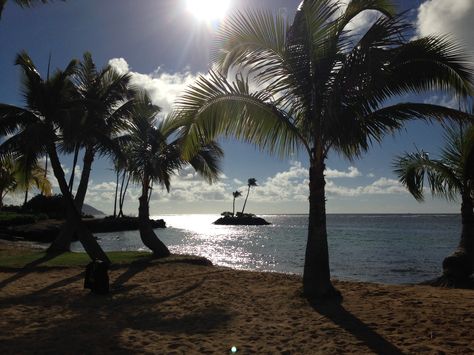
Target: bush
(52,206)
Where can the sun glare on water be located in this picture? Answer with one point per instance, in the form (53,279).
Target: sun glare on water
(208,10)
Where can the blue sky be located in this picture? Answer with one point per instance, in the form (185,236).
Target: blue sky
(164,47)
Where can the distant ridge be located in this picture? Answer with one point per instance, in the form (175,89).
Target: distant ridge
(89,210)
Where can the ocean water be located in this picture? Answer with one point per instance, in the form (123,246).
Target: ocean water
(393,249)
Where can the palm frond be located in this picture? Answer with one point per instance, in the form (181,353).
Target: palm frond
(360,132)
(254,39)
(218,107)
(413,169)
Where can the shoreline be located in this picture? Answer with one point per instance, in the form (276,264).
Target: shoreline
(176,307)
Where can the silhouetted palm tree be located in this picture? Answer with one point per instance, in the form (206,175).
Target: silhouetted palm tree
(235,194)
(48,104)
(100,117)
(23,3)
(319,87)
(155,154)
(449,178)
(250,183)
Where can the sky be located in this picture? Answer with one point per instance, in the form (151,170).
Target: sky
(165,46)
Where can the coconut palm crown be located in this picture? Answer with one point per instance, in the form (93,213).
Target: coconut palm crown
(319,87)
(155,154)
(447,177)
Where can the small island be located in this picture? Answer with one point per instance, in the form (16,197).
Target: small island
(241,218)
(246,219)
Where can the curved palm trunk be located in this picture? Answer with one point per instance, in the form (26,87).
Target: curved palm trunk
(65,236)
(460,265)
(245,202)
(74,163)
(86,238)
(85,174)
(316,275)
(148,237)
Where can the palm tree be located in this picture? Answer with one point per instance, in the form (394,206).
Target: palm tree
(250,182)
(48,104)
(22,3)
(155,154)
(448,178)
(236,194)
(104,94)
(102,115)
(320,88)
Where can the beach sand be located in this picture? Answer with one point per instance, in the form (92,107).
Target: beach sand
(180,308)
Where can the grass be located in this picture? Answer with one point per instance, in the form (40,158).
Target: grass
(21,258)
(8,218)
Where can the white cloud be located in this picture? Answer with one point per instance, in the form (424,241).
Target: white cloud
(237,181)
(382,186)
(447,17)
(352,173)
(162,87)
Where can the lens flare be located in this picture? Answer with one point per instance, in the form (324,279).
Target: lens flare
(208,10)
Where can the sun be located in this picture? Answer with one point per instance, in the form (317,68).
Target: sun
(208,10)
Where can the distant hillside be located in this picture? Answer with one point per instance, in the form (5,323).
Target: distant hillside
(88,209)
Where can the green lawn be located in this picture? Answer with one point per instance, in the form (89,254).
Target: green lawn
(21,258)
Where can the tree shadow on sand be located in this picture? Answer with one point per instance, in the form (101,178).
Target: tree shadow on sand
(28,268)
(350,323)
(109,324)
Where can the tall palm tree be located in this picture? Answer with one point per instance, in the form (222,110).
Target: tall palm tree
(23,3)
(40,123)
(103,114)
(155,154)
(319,87)
(250,183)
(235,194)
(105,98)
(449,178)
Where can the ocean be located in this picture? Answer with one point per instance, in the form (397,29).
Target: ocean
(383,248)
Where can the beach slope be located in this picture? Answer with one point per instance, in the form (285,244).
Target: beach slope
(173,307)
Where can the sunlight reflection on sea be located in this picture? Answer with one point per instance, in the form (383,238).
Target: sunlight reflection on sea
(377,248)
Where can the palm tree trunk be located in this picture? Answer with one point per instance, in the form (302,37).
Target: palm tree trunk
(26,197)
(116,193)
(233,207)
(74,163)
(316,275)
(148,237)
(460,265)
(245,202)
(86,238)
(122,196)
(84,182)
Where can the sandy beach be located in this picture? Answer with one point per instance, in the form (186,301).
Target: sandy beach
(181,308)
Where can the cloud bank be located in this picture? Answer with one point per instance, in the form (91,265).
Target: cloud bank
(448,17)
(163,88)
